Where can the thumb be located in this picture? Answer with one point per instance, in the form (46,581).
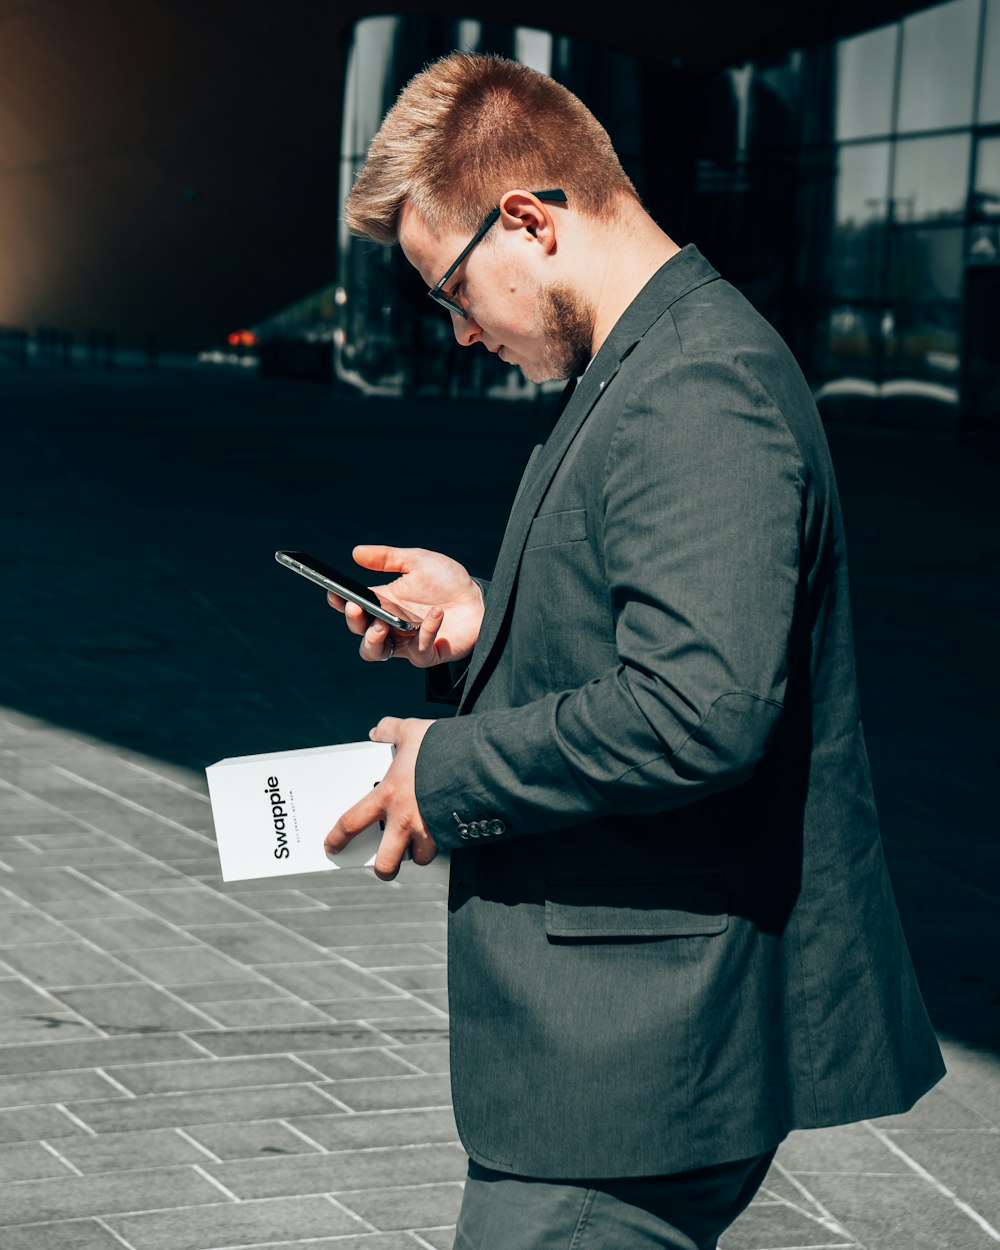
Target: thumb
(379,558)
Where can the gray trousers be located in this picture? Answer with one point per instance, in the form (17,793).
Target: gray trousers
(680,1211)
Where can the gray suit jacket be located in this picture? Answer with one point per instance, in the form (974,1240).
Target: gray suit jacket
(672,938)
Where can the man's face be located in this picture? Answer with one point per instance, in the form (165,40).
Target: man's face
(544,328)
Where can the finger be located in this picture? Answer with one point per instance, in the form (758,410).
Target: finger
(382,559)
(423,848)
(375,642)
(387,730)
(354,821)
(423,655)
(390,854)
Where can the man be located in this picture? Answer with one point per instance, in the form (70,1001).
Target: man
(671,936)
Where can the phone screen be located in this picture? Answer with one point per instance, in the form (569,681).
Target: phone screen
(342,584)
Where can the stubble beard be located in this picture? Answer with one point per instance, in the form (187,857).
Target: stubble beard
(568,326)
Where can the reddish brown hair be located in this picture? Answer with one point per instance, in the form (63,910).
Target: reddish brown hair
(470,127)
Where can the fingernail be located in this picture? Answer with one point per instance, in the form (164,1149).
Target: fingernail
(331,851)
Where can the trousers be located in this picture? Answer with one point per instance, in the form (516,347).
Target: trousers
(679,1211)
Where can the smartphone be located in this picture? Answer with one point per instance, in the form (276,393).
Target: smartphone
(343,585)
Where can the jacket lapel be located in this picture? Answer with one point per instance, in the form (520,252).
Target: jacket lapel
(679,275)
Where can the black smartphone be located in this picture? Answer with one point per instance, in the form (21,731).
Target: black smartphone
(345,586)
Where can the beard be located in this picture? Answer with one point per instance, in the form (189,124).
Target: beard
(568,323)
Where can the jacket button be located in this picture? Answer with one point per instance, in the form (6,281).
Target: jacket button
(495,827)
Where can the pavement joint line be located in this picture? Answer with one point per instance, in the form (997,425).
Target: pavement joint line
(923,1173)
(116,1084)
(192,1141)
(62,1158)
(341,1106)
(132,804)
(825,1218)
(367,1224)
(305,1137)
(117,1236)
(310,1068)
(75,1119)
(196,1167)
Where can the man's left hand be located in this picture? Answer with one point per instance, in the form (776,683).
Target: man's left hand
(392,801)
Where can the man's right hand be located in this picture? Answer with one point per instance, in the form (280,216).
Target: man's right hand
(431,588)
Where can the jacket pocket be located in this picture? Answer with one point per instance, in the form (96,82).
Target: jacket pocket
(549,529)
(675,907)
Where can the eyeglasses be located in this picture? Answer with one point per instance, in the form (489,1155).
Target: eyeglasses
(437,292)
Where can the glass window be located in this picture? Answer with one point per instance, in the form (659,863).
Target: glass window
(926,265)
(866,69)
(987,201)
(931,178)
(938,67)
(862,203)
(989,98)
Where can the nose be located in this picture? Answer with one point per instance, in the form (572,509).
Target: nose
(467,330)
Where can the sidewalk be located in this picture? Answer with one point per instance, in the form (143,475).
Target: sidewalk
(187,1065)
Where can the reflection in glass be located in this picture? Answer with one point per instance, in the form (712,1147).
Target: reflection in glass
(866,69)
(989,91)
(926,265)
(987,193)
(938,69)
(931,178)
(862,186)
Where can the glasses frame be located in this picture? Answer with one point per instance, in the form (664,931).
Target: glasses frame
(436,292)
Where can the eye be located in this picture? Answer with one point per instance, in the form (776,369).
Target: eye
(456,291)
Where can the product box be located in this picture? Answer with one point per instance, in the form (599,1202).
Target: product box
(273,811)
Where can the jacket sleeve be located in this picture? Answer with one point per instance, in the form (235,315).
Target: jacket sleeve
(699,536)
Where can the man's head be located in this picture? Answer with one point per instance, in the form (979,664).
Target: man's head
(473,134)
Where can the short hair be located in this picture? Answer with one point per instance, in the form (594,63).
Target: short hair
(471,126)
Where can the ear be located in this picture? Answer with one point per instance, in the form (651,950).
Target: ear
(520,210)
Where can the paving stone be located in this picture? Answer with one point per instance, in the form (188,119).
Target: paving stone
(28,1161)
(130,934)
(190,907)
(937,1110)
(327,980)
(51,1087)
(36,1124)
(271,901)
(777,1225)
(442,1238)
(255,943)
(131,1009)
(144,1148)
(46,885)
(430,1057)
(380,1093)
(379,1128)
(394,955)
(185,965)
(250,1139)
(195,1074)
(235,1224)
(89,907)
(366,1241)
(275,1011)
(346,1170)
(18,998)
(418,980)
(281,1041)
(28,1202)
(39,1027)
(58,1056)
(18,927)
(66,1235)
(897,1213)
(845,1148)
(66,963)
(399,1207)
(422,1029)
(348,1064)
(391,1008)
(967,1163)
(204,1107)
(141,875)
(254,987)
(331,933)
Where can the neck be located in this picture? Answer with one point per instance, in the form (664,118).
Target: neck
(625,258)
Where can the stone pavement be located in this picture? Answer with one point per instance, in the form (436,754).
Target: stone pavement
(188,1065)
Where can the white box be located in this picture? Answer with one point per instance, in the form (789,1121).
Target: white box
(272,811)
